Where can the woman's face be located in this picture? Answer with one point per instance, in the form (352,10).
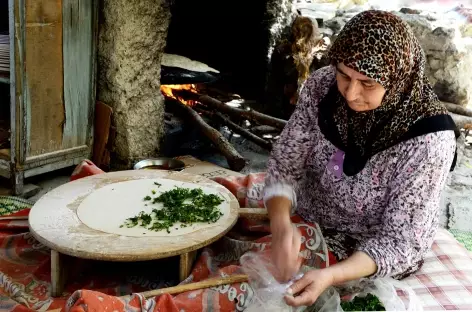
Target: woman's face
(361,92)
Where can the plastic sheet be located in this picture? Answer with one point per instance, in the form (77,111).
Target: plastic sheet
(269,293)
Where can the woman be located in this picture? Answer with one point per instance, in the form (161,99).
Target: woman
(365,155)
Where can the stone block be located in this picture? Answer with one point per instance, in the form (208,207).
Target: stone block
(132,38)
(449,57)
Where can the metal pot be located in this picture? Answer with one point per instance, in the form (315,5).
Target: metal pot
(160,163)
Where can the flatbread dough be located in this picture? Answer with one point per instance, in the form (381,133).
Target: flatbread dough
(174,60)
(107,208)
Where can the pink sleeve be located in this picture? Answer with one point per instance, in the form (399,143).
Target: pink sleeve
(399,245)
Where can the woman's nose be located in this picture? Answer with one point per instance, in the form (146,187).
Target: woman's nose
(352,91)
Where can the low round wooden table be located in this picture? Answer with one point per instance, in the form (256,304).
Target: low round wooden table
(54,222)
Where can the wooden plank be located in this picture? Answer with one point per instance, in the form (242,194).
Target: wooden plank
(93,93)
(18,120)
(44,75)
(11,27)
(78,55)
(102,125)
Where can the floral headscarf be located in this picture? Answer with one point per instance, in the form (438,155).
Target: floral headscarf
(381,46)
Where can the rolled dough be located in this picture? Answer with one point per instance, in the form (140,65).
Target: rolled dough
(174,60)
(107,208)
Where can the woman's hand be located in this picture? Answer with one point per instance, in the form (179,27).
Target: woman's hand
(315,282)
(285,247)
(309,287)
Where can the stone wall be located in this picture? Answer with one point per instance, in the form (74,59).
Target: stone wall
(449,57)
(132,38)
(443,37)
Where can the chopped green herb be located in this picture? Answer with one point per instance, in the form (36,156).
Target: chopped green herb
(367,303)
(131,222)
(182,205)
(153,192)
(147,198)
(158,184)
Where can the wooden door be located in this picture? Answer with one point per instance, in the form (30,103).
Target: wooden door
(55,57)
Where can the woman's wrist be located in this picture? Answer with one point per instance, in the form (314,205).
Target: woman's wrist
(358,265)
(278,209)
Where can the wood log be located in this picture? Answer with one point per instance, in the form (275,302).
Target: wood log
(244,133)
(236,162)
(461,121)
(213,282)
(264,130)
(457,109)
(237,113)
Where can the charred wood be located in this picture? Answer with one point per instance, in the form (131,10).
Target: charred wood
(457,109)
(237,113)
(235,161)
(244,133)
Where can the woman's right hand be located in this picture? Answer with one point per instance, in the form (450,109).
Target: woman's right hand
(285,247)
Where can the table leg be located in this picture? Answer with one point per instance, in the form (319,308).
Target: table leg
(186,264)
(58,273)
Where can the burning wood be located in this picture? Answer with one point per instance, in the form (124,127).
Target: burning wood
(171,91)
(191,103)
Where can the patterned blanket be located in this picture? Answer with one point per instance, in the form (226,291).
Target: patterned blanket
(25,275)
(445,281)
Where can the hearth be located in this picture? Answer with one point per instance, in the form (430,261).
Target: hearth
(136,41)
(206,119)
(237,38)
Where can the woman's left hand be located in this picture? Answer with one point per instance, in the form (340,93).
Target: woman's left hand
(306,290)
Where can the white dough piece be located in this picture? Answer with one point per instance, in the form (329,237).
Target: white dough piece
(174,60)
(108,207)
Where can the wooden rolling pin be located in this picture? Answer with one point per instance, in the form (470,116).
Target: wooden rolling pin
(240,278)
(254,213)
(213,282)
(17,218)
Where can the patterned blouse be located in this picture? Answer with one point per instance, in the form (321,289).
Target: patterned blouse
(391,208)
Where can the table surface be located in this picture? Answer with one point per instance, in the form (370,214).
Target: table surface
(54,222)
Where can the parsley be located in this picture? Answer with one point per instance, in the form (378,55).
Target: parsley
(182,205)
(367,303)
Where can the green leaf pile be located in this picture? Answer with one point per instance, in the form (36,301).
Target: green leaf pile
(367,303)
(182,205)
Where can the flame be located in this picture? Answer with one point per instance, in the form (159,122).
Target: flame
(168,91)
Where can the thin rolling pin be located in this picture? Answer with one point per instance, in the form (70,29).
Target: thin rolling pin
(238,278)
(254,213)
(14,218)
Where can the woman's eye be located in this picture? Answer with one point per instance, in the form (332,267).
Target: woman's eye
(368,85)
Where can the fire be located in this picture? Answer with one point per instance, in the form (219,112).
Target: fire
(168,91)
